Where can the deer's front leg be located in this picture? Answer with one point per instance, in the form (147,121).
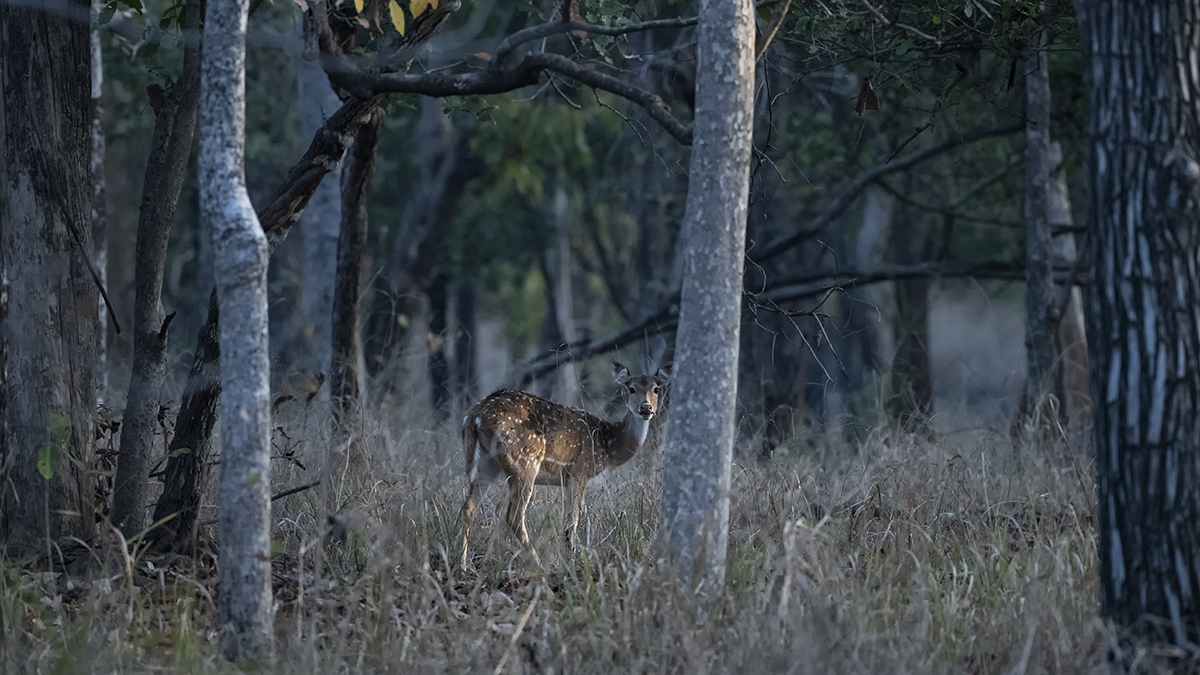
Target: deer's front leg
(575,487)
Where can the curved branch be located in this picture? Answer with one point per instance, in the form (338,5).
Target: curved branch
(500,80)
(555,27)
(652,103)
(860,182)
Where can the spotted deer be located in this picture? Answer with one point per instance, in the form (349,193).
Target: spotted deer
(532,441)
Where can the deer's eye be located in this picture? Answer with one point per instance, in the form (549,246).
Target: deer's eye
(656,390)
(632,390)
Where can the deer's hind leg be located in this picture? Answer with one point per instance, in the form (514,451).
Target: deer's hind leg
(574,487)
(520,492)
(467,515)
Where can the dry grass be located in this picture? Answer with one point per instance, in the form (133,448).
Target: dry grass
(896,555)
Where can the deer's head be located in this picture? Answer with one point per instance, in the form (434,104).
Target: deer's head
(644,394)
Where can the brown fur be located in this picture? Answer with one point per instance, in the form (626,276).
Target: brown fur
(532,441)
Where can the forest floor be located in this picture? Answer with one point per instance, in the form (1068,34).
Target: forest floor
(964,553)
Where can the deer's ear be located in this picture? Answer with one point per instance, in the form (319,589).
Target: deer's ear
(619,372)
(664,372)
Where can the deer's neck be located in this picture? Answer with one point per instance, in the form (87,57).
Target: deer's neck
(630,435)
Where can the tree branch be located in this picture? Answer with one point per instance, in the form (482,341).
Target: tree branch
(540,31)
(789,290)
(850,192)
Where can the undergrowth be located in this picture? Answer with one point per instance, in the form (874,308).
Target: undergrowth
(896,554)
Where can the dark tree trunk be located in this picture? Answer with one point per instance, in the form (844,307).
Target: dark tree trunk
(446,168)
(911,401)
(1144,340)
(166,168)
(190,451)
(439,360)
(464,343)
(45,148)
(343,369)
(1041,306)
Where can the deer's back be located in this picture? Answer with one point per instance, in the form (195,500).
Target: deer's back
(515,425)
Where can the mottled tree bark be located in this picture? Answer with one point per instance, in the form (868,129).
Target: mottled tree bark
(1041,306)
(344,390)
(240,266)
(696,471)
(1144,340)
(99,208)
(45,199)
(320,224)
(191,448)
(166,167)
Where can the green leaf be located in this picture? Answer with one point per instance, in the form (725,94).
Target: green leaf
(149,50)
(49,459)
(106,14)
(60,427)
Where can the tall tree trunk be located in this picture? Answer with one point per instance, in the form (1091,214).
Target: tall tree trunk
(191,448)
(343,369)
(1144,340)
(99,208)
(465,377)
(45,149)
(911,400)
(166,168)
(240,264)
(1041,306)
(700,434)
(559,327)
(446,168)
(1072,335)
(320,223)
(439,348)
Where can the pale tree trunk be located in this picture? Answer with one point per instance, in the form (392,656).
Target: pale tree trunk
(45,199)
(696,470)
(320,223)
(560,307)
(166,168)
(240,265)
(1041,307)
(1144,341)
(344,388)
(1072,335)
(99,208)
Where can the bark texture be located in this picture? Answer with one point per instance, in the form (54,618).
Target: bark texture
(1041,306)
(45,148)
(320,223)
(191,448)
(99,209)
(240,265)
(166,168)
(701,427)
(343,368)
(1144,340)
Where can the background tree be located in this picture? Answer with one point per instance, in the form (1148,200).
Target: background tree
(699,452)
(166,168)
(45,200)
(240,262)
(1144,341)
